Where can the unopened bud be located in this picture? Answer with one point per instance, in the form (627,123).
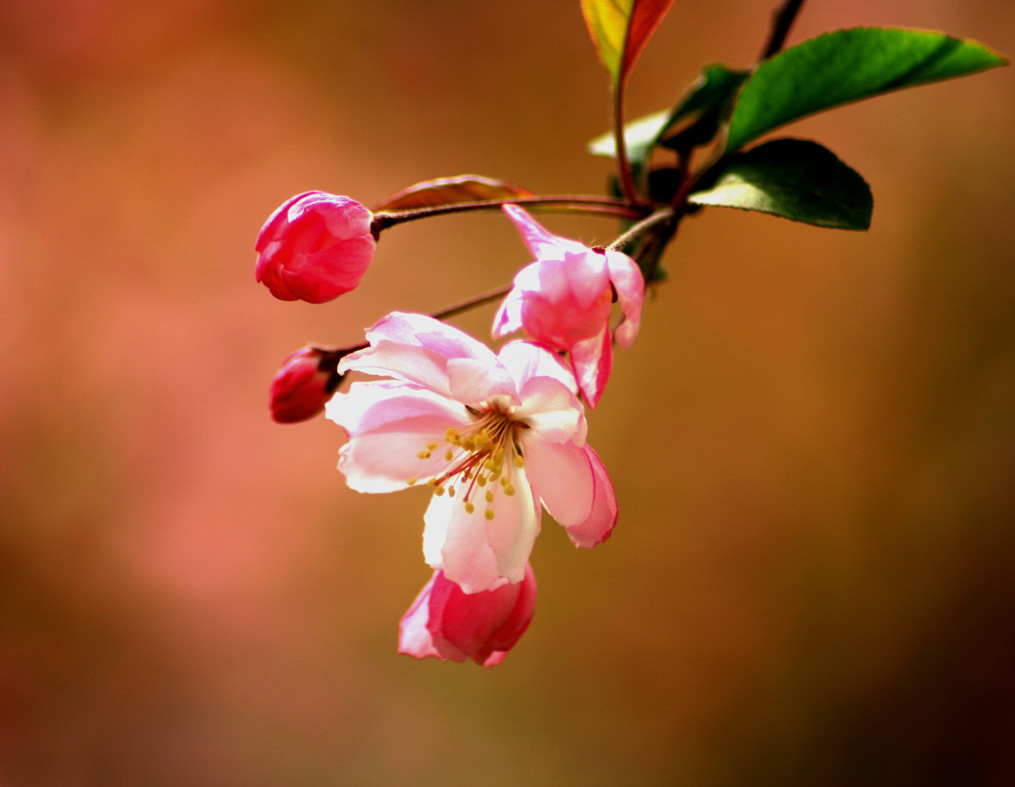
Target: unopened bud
(304,384)
(315,247)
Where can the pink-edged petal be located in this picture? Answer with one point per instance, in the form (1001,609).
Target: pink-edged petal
(446,623)
(593,361)
(509,315)
(414,637)
(512,532)
(587,277)
(349,410)
(539,240)
(551,411)
(455,542)
(476,552)
(415,348)
(561,474)
(424,331)
(406,362)
(630,287)
(472,381)
(525,360)
(386,437)
(603,518)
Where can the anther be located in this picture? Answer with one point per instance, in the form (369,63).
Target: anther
(488,513)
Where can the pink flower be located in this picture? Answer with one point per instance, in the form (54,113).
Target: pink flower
(495,438)
(303,385)
(448,623)
(315,247)
(563,300)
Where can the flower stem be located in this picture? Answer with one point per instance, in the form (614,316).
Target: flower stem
(623,165)
(782,20)
(472,303)
(564,203)
(662,215)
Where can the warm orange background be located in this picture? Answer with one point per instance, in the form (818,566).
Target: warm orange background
(812,440)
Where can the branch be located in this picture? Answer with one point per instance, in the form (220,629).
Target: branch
(782,20)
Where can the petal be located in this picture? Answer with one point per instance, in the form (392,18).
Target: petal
(512,532)
(388,428)
(446,623)
(551,411)
(603,517)
(561,474)
(587,276)
(424,331)
(414,637)
(593,361)
(471,381)
(476,552)
(455,541)
(406,362)
(630,286)
(525,360)
(509,316)
(539,240)
(415,348)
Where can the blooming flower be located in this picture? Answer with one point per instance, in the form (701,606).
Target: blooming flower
(563,300)
(447,623)
(496,438)
(303,385)
(315,247)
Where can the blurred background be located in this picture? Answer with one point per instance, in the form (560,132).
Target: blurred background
(813,578)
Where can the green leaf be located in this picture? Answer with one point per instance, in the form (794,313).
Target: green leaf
(621,28)
(844,66)
(448,191)
(699,110)
(795,179)
(703,106)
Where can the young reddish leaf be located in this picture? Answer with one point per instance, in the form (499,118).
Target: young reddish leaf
(621,28)
(449,191)
(645,18)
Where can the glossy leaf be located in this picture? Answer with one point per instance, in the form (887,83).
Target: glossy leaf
(703,106)
(698,113)
(621,28)
(795,179)
(844,66)
(449,191)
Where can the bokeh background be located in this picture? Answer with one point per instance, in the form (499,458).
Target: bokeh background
(813,580)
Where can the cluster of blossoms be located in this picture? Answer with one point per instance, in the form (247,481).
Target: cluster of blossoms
(498,437)
(495,437)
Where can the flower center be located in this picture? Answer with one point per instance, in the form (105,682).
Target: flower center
(481,458)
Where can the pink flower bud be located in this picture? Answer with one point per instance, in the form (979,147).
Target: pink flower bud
(315,247)
(303,385)
(450,624)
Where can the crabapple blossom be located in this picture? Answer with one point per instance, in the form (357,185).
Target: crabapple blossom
(315,247)
(495,438)
(563,300)
(448,623)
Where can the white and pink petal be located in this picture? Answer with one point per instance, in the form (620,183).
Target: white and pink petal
(603,517)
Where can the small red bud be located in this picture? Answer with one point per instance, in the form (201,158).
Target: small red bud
(302,387)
